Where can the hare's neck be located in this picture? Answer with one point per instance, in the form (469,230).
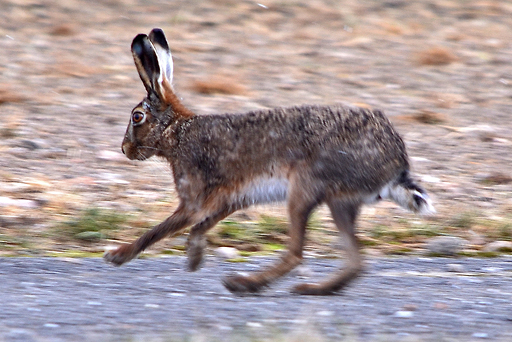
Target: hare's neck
(170,137)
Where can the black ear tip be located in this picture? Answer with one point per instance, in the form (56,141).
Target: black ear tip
(138,41)
(157,30)
(157,36)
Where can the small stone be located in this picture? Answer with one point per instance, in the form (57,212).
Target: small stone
(481,335)
(93,303)
(21,203)
(29,145)
(254,325)
(492,269)
(445,245)
(224,327)
(404,314)
(227,252)
(458,268)
(498,246)
(16,187)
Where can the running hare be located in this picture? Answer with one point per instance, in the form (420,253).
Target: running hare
(307,155)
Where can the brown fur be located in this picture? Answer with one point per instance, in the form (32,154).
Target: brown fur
(343,156)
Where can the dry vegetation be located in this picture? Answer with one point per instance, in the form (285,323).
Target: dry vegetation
(440,69)
(218,85)
(436,56)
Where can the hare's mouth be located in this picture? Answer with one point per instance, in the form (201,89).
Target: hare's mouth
(143,153)
(140,154)
(135,153)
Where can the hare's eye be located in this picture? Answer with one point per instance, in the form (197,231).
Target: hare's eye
(138,118)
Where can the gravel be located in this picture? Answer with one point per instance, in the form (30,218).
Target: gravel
(410,299)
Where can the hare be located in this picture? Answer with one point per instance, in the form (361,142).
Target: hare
(308,155)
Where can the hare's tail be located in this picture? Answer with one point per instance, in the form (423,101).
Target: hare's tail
(408,195)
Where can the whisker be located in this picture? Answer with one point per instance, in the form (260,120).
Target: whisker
(151,148)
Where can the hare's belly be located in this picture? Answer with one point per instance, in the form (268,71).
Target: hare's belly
(264,190)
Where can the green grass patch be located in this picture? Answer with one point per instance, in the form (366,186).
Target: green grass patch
(505,231)
(237,260)
(368,242)
(482,254)
(92,225)
(267,231)
(403,233)
(498,230)
(272,247)
(425,230)
(11,242)
(315,223)
(399,251)
(229,229)
(173,251)
(75,254)
(271,224)
(464,220)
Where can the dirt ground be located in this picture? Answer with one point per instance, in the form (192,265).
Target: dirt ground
(441,70)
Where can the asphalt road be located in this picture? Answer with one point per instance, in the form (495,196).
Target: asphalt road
(397,299)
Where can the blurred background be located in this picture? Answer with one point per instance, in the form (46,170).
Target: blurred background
(441,70)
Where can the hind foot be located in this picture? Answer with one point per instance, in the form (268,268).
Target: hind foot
(242,284)
(312,290)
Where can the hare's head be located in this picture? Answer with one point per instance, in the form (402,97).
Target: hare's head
(161,106)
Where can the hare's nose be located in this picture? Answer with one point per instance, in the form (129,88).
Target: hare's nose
(122,149)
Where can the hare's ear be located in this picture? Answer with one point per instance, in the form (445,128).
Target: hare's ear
(163,52)
(146,61)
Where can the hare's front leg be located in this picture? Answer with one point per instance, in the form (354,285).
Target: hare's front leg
(344,215)
(300,205)
(180,219)
(197,241)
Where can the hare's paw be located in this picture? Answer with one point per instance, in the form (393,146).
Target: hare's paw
(195,259)
(241,284)
(312,289)
(119,256)
(195,252)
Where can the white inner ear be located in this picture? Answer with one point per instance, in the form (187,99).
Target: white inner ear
(165,62)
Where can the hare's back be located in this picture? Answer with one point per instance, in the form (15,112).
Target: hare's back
(346,146)
(359,149)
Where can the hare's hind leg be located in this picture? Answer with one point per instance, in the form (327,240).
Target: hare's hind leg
(180,219)
(300,204)
(344,215)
